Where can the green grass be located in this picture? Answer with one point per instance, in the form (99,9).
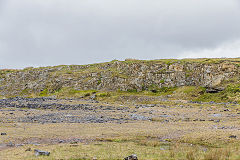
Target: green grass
(44,93)
(73,93)
(120,150)
(186,60)
(230,94)
(25,92)
(104,94)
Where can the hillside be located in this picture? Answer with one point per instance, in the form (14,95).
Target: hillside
(191,79)
(158,109)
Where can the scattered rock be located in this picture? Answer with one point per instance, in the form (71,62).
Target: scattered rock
(10,144)
(93,96)
(19,145)
(132,157)
(74,145)
(164,116)
(138,117)
(204,149)
(60,141)
(216,115)
(28,149)
(41,153)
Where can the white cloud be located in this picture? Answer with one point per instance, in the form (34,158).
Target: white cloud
(52,32)
(228,49)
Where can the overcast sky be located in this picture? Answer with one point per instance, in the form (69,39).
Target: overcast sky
(51,32)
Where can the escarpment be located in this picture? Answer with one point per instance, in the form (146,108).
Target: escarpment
(121,75)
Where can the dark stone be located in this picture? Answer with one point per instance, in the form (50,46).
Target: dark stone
(154,91)
(60,141)
(132,157)
(3,134)
(214,90)
(233,136)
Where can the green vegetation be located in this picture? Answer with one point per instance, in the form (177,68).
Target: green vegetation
(187,60)
(132,90)
(230,94)
(3,72)
(25,92)
(162,81)
(44,93)
(104,94)
(73,93)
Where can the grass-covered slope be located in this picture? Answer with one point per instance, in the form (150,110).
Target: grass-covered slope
(191,79)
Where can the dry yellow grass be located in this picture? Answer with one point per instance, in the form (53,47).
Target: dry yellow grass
(191,133)
(149,140)
(118,150)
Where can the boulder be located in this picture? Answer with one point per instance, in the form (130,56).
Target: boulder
(233,136)
(132,157)
(214,90)
(93,96)
(41,153)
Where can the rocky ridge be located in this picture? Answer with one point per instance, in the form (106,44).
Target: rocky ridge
(120,75)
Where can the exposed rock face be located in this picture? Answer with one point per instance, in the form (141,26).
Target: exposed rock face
(116,75)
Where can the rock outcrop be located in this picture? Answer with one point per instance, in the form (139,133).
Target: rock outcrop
(120,75)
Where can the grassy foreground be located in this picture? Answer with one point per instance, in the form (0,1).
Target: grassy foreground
(149,140)
(117,150)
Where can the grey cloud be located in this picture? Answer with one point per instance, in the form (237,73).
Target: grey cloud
(39,33)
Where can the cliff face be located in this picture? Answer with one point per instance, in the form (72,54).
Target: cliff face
(123,75)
